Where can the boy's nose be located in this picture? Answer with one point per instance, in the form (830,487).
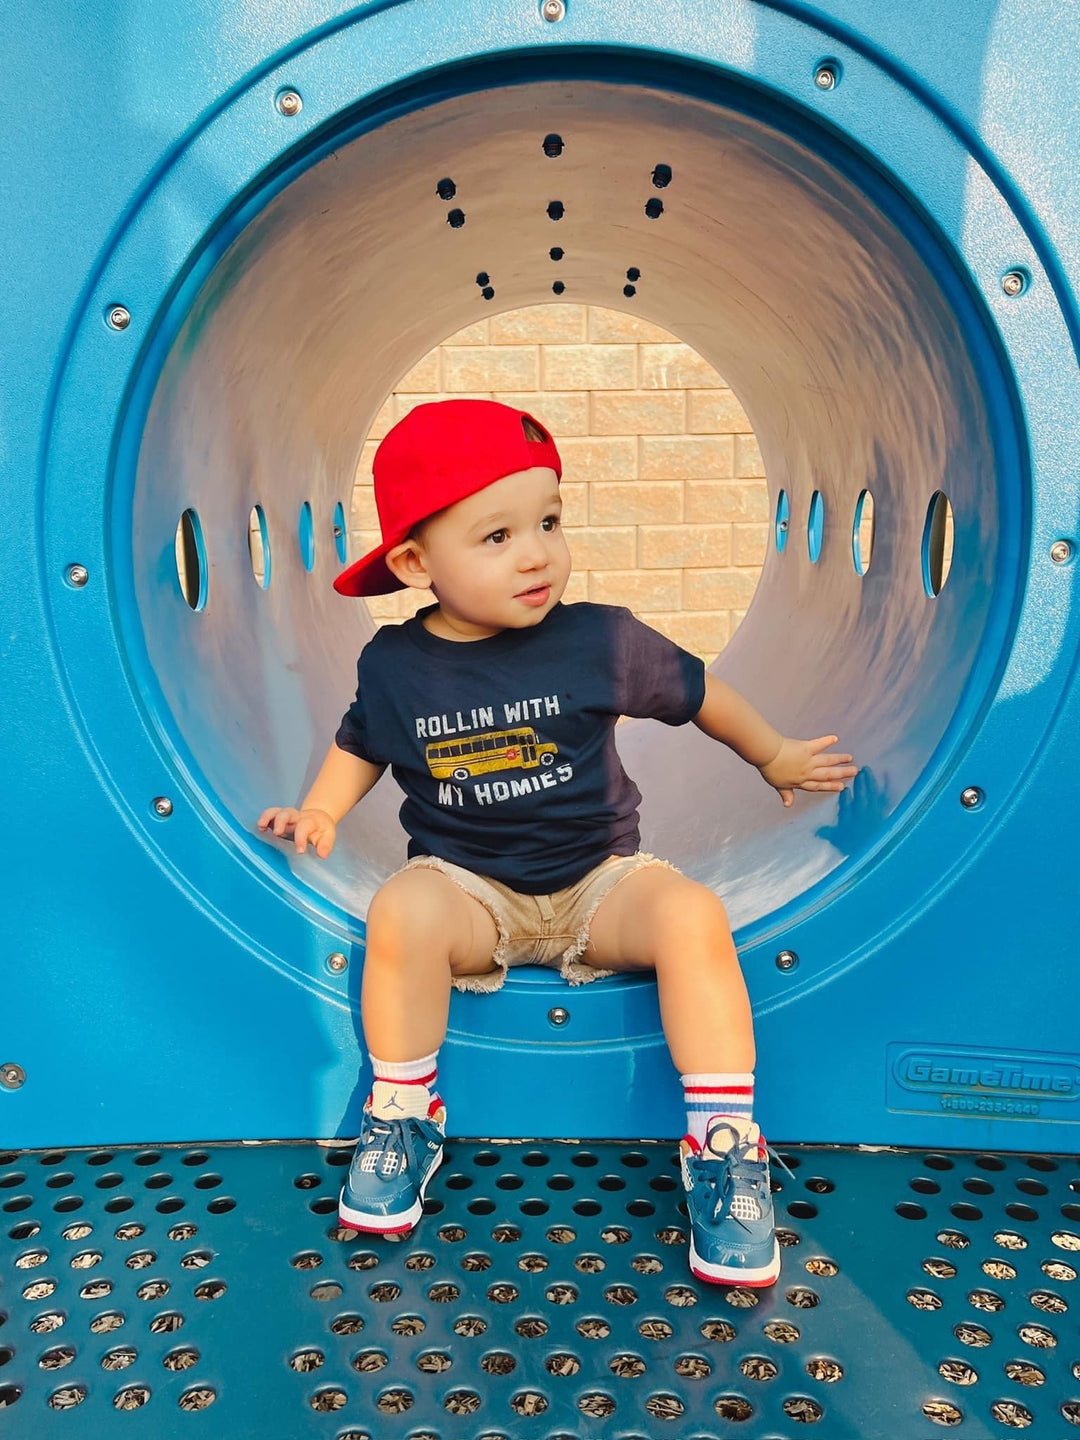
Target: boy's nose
(532,556)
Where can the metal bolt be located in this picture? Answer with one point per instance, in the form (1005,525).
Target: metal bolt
(971,797)
(553,9)
(825,77)
(787,960)
(1013,283)
(558,1016)
(12,1076)
(337,962)
(119,318)
(163,806)
(78,575)
(1060,551)
(289,103)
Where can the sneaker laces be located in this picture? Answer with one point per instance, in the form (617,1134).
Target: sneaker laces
(392,1135)
(395,1137)
(738,1162)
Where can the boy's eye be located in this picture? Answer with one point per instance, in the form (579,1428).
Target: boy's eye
(548,524)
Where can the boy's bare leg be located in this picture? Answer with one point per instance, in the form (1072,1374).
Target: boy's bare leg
(656,919)
(421,928)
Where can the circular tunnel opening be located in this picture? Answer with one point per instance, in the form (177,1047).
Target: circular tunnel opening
(821,295)
(664,494)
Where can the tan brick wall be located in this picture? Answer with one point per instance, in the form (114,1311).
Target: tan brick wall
(665,502)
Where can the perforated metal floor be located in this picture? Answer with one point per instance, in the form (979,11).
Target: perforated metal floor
(176,1291)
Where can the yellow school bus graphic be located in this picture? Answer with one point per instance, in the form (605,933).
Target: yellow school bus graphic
(519,749)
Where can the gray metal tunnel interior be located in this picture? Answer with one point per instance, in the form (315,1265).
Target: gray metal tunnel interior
(828,319)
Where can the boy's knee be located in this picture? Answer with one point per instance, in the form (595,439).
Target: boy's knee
(687,903)
(409,901)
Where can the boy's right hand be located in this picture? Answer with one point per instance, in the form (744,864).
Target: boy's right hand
(314,827)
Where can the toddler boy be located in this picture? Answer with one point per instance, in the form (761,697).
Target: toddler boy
(495,707)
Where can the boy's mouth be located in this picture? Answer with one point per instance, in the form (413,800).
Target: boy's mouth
(535,595)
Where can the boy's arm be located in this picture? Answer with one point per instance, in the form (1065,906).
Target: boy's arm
(343,780)
(341,783)
(726,716)
(784,763)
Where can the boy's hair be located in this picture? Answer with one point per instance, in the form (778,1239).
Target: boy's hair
(532,432)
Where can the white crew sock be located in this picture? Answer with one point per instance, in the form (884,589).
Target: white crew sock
(403,1087)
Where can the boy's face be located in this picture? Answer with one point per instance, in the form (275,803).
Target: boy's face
(496,560)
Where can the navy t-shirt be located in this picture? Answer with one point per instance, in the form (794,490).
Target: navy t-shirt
(505,747)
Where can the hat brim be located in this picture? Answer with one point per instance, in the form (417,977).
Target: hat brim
(369,575)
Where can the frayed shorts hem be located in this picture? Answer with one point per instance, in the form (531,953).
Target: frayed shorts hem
(533,929)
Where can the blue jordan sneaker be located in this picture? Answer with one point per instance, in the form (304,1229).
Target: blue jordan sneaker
(389,1173)
(732,1240)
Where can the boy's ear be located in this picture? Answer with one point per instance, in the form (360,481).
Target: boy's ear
(406,563)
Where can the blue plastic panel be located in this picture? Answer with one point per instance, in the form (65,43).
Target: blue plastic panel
(856,299)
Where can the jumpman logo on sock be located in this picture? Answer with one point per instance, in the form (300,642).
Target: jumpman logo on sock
(397,1100)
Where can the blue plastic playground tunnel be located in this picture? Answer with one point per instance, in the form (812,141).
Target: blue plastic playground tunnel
(838,225)
(820,294)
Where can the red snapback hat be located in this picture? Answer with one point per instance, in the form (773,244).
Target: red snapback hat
(436,455)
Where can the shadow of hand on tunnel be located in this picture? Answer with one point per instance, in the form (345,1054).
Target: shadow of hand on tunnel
(862,812)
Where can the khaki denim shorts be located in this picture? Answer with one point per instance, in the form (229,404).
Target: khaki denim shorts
(550,930)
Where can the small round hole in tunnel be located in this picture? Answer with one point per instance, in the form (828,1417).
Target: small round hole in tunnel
(783,519)
(340,534)
(815,527)
(259,545)
(937,544)
(190,553)
(305,535)
(862,533)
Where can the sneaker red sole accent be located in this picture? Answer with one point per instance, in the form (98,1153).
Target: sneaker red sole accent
(758,1278)
(370,1230)
(743,1284)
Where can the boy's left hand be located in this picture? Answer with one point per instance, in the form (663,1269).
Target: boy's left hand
(799,765)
